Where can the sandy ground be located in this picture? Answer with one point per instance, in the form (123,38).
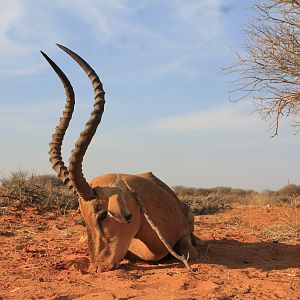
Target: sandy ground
(248,253)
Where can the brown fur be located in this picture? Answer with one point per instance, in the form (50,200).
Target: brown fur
(110,240)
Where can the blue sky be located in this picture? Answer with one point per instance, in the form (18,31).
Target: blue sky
(167,108)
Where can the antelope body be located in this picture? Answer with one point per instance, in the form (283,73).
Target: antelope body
(116,224)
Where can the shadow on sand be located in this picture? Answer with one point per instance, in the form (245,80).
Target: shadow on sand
(233,254)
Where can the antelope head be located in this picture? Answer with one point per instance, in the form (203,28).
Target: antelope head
(104,209)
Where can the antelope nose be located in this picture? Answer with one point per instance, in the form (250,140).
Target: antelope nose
(128,218)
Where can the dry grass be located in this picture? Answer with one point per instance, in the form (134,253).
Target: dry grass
(46,192)
(287,229)
(209,201)
(213,200)
(292,219)
(24,189)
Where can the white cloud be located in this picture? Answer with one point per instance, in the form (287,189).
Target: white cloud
(232,116)
(10,14)
(95,13)
(204,17)
(24,26)
(183,28)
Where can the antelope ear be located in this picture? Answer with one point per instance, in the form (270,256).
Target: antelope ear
(117,207)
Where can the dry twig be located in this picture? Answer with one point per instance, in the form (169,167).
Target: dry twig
(270,68)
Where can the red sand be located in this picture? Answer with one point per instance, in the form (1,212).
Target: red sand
(248,253)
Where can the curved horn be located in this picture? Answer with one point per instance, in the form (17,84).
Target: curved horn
(57,137)
(82,187)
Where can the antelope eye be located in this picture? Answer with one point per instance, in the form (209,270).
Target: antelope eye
(102,215)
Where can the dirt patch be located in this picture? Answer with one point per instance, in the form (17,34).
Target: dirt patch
(248,253)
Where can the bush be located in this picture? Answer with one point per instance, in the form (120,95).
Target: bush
(47,180)
(22,189)
(212,200)
(289,190)
(44,190)
(201,205)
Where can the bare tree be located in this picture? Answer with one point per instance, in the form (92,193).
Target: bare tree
(270,68)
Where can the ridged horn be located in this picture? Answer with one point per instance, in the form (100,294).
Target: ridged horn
(84,190)
(57,137)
